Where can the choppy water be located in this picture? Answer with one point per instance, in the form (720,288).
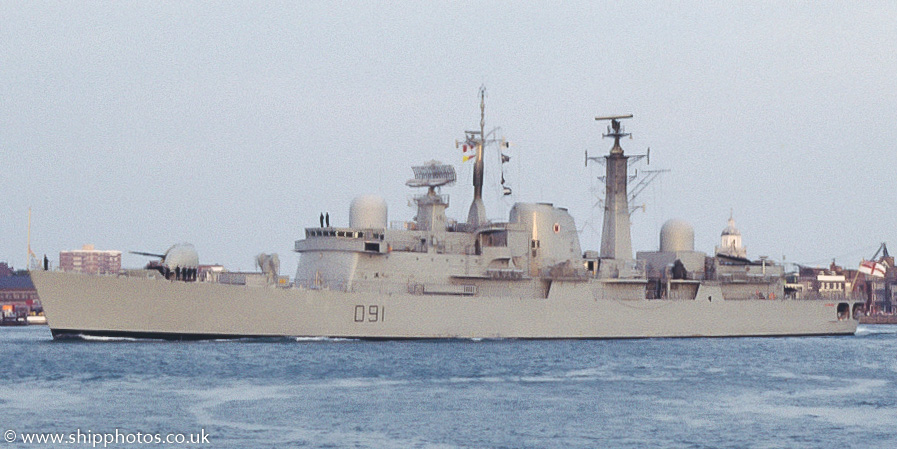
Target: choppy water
(688,393)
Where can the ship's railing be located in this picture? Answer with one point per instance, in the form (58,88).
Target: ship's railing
(319,284)
(505,273)
(398,225)
(358,286)
(346,233)
(442,289)
(429,199)
(424,289)
(620,269)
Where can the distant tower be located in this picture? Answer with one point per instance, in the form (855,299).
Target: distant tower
(616,242)
(730,241)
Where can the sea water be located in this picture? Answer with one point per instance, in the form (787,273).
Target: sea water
(826,392)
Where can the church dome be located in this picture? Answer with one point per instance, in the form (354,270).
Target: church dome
(731,229)
(730,241)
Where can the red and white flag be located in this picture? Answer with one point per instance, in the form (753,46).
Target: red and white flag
(872,268)
(469,150)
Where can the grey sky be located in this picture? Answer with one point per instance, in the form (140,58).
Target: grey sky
(134,126)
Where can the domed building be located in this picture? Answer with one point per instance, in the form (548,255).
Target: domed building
(730,242)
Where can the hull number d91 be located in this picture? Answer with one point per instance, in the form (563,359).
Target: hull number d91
(370,314)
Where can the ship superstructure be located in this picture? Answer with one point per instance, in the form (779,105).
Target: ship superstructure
(434,277)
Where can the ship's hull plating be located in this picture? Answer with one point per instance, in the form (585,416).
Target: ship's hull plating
(77,305)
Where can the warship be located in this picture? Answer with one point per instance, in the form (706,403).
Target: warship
(435,278)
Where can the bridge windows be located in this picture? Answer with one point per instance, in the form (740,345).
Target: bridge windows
(498,238)
(345,234)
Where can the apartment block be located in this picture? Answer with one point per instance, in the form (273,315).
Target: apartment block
(90,260)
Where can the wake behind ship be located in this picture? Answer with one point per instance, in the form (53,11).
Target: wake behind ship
(438,278)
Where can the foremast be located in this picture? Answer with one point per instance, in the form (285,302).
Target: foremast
(616,241)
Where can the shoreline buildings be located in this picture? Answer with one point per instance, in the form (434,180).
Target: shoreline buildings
(90,260)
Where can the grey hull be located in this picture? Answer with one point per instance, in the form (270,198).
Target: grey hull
(77,304)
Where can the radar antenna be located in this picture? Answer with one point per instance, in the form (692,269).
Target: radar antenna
(431,207)
(617,130)
(432,174)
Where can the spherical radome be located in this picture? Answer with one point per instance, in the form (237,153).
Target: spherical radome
(368,211)
(677,235)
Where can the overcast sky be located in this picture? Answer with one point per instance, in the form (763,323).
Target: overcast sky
(231,125)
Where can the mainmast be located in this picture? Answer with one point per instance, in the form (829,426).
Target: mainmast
(616,241)
(477,214)
(478,140)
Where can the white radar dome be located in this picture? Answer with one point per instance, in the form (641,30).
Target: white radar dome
(677,235)
(368,211)
(182,255)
